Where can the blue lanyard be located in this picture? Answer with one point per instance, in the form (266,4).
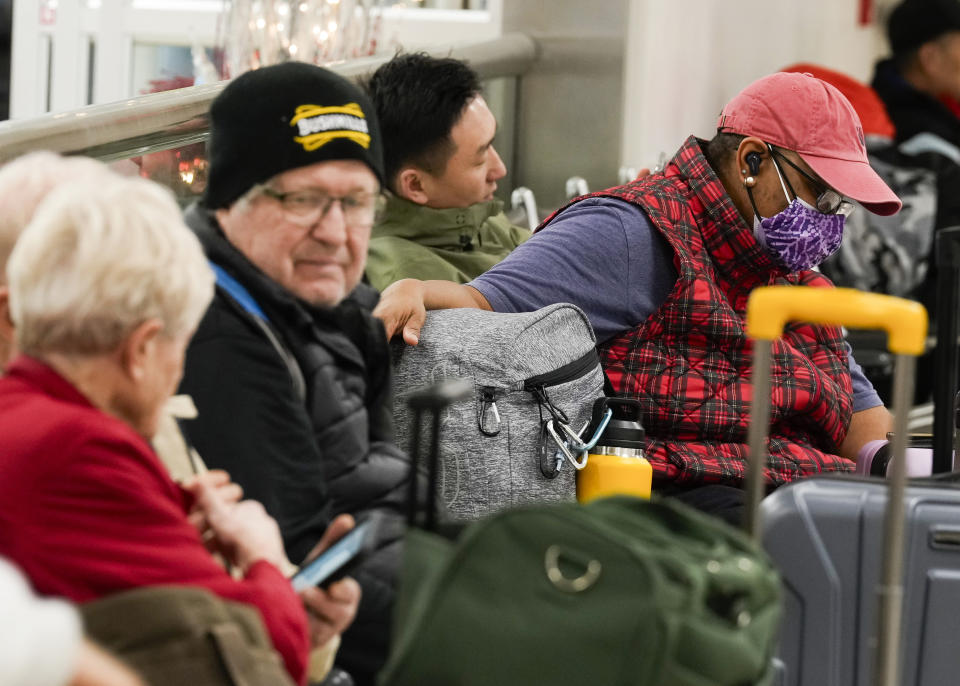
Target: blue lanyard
(237,292)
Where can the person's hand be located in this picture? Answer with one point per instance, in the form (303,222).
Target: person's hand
(332,610)
(402,311)
(228,491)
(242,532)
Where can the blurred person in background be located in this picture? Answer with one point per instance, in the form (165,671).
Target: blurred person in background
(106,286)
(919,85)
(441,220)
(920,82)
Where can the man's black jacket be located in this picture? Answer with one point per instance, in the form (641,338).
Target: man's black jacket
(311,447)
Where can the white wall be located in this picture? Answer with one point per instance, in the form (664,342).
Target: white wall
(570,101)
(685,58)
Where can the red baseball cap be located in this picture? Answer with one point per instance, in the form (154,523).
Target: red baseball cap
(800,112)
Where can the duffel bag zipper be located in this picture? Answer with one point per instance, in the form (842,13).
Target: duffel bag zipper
(568,372)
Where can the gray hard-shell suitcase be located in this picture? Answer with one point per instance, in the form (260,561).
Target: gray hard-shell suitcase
(525,368)
(826,537)
(840,543)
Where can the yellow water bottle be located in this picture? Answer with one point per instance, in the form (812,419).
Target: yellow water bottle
(616,466)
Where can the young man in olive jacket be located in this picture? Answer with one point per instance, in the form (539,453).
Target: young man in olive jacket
(288,369)
(441,220)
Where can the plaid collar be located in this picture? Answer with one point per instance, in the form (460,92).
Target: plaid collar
(735,251)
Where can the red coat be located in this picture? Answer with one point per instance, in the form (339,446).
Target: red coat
(87,510)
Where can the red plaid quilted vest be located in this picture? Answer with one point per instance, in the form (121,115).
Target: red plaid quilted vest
(689,362)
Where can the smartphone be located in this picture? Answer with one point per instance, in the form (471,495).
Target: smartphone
(334,562)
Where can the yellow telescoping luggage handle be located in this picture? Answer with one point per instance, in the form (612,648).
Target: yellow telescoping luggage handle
(771,307)
(768,310)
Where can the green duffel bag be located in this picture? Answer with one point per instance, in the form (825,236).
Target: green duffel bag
(621,591)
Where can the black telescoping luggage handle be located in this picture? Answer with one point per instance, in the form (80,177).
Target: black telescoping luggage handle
(433,399)
(768,310)
(945,354)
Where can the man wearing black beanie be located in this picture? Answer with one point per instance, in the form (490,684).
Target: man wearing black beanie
(288,369)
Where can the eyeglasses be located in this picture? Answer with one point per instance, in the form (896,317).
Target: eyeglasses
(828,200)
(311,205)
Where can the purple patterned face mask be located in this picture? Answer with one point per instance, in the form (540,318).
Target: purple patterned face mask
(800,237)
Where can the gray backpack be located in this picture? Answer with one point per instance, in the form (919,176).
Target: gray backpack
(526,368)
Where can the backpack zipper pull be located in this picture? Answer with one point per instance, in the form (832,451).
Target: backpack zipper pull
(540,394)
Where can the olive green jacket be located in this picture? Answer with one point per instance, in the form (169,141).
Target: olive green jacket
(458,244)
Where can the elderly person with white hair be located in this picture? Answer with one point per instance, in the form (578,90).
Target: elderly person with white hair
(24,183)
(106,286)
(42,640)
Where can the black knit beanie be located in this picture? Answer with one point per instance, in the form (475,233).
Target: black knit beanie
(282,117)
(915,22)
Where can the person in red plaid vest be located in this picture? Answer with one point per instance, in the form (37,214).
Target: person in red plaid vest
(663,267)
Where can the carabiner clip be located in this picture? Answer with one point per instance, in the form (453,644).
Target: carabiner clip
(575,440)
(563,447)
(488,406)
(549,467)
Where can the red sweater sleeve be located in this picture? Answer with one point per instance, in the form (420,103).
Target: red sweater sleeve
(105,516)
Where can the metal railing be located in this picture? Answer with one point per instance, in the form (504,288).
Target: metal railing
(160,121)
